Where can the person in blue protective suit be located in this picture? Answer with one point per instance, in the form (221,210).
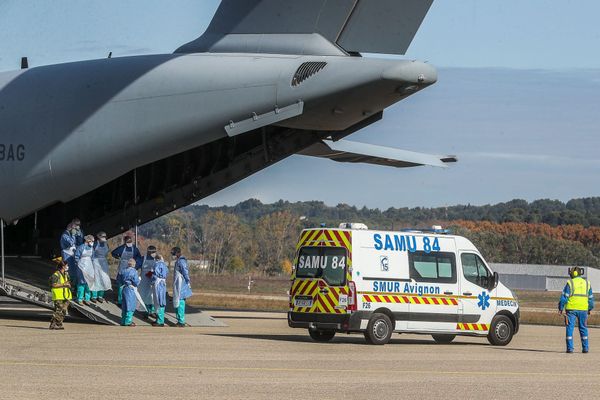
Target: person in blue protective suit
(67,251)
(130,280)
(577,300)
(78,234)
(182,287)
(124,253)
(159,285)
(102,281)
(84,257)
(145,288)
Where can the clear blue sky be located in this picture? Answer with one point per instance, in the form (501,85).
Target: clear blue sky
(545,34)
(517,99)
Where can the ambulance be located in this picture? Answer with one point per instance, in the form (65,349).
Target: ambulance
(355,280)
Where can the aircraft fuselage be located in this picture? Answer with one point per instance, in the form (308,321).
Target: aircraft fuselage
(73,127)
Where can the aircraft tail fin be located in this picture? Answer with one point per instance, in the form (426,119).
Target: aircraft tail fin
(312,27)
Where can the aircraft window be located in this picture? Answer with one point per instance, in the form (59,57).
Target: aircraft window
(438,267)
(474,269)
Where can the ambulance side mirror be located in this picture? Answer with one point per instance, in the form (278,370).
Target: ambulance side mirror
(494,281)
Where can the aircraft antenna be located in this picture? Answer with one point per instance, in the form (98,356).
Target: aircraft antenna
(24,63)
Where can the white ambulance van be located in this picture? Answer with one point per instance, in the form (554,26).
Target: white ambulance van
(415,281)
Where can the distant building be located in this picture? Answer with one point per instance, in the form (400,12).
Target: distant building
(541,277)
(201,265)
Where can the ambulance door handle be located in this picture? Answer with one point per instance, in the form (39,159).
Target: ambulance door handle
(467,294)
(448,293)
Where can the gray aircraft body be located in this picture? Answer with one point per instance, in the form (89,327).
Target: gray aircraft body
(120,141)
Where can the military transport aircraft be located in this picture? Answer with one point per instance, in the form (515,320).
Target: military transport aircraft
(120,141)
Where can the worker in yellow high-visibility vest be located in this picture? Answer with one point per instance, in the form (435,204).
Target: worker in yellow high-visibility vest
(577,301)
(60,286)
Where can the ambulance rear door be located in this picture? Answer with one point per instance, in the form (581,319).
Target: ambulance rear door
(321,273)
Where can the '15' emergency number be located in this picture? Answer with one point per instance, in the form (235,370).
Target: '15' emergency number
(12,152)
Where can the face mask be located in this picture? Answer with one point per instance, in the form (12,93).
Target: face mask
(73,231)
(153,255)
(66,268)
(103,240)
(91,244)
(129,245)
(173,257)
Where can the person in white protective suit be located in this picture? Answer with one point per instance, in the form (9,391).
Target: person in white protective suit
(84,256)
(101,281)
(145,288)
(182,286)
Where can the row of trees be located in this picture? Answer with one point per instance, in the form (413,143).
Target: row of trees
(585,212)
(226,243)
(252,236)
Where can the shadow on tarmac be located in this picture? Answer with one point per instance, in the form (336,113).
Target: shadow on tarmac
(25,327)
(338,339)
(254,318)
(527,350)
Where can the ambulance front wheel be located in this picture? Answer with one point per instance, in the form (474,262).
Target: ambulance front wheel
(319,335)
(501,331)
(379,330)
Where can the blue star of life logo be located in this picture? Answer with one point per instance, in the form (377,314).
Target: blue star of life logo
(484,301)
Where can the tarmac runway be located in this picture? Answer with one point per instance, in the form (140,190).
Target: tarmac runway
(258,357)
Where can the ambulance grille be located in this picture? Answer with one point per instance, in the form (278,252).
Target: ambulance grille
(306,70)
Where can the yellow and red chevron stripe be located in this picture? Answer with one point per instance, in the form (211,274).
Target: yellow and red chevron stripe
(323,302)
(472,327)
(402,299)
(328,238)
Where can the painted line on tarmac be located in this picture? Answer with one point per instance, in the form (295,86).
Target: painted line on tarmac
(316,370)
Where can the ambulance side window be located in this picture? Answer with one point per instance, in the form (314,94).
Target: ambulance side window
(438,267)
(474,269)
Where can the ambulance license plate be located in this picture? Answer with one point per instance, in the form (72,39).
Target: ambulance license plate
(303,301)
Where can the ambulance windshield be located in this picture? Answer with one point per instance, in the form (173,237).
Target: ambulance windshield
(328,263)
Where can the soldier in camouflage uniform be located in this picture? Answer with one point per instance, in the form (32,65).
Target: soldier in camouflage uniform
(60,286)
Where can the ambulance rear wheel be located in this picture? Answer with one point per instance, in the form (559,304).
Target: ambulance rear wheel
(321,336)
(379,330)
(443,339)
(501,331)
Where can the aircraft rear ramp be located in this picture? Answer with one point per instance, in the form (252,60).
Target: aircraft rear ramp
(27,281)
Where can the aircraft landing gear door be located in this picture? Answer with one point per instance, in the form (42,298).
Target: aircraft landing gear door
(476,290)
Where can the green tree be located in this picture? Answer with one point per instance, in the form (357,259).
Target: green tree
(276,235)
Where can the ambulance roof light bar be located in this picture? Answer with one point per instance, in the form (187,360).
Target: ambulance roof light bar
(357,226)
(434,229)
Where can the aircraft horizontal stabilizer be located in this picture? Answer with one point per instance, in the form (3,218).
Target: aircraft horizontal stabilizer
(346,151)
(312,27)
